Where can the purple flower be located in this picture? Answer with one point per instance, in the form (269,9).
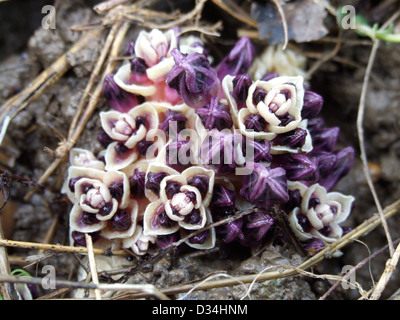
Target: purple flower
(223,198)
(292,139)
(154,180)
(136,182)
(261,150)
(215,115)
(323,139)
(231,231)
(265,186)
(343,164)
(193,78)
(200,238)
(255,227)
(312,104)
(220,152)
(238,60)
(241,84)
(166,240)
(117,98)
(178,155)
(297,166)
(270,76)
(138,71)
(174,122)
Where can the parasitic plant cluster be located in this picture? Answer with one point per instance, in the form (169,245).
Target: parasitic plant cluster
(187,144)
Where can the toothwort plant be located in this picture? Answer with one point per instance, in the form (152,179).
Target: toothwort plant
(187,144)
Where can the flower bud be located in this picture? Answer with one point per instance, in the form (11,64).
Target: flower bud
(238,60)
(193,78)
(312,104)
(265,186)
(215,115)
(298,167)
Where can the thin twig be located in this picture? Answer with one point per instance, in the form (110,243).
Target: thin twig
(236,11)
(390,267)
(284,22)
(356,267)
(146,289)
(4,269)
(92,264)
(360,131)
(57,247)
(326,57)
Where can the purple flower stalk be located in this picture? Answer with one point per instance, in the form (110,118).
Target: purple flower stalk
(265,186)
(117,98)
(238,60)
(193,78)
(215,115)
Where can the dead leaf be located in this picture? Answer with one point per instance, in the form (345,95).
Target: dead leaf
(304,18)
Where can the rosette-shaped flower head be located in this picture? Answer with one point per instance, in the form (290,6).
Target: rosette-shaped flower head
(265,187)
(274,113)
(84,158)
(193,78)
(101,202)
(155,48)
(130,133)
(239,59)
(145,74)
(319,214)
(178,201)
(117,98)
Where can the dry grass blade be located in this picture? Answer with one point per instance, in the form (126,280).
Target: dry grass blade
(360,131)
(56,247)
(92,264)
(4,269)
(145,289)
(390,267)
(284,22)
(237,12)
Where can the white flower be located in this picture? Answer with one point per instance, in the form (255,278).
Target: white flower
(319,213)
(155,48)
